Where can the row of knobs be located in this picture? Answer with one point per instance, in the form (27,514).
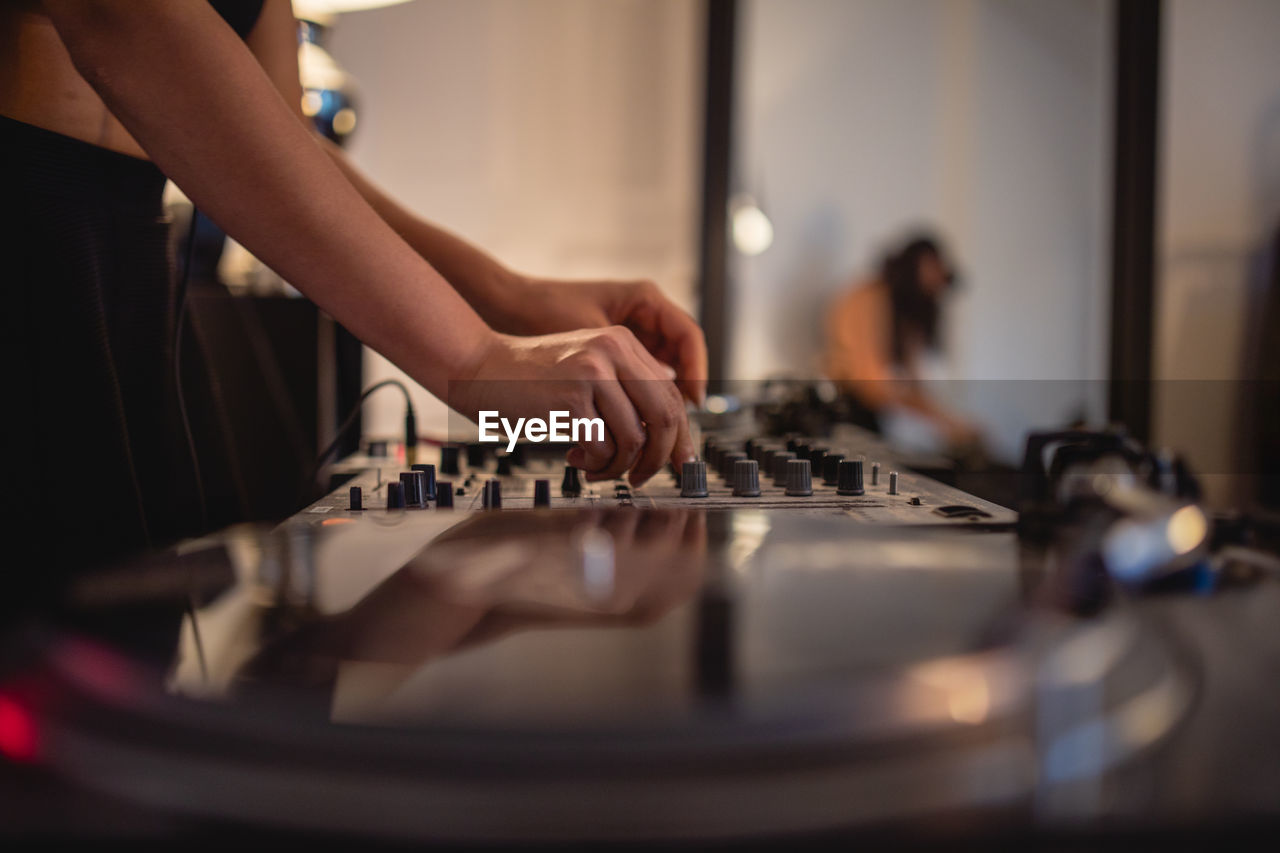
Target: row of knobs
(792,469)
(417,487)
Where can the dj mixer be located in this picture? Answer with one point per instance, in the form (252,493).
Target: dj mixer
(878,490)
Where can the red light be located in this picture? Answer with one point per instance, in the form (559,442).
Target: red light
(18,736)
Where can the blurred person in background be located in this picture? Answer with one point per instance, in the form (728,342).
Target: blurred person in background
(880,330)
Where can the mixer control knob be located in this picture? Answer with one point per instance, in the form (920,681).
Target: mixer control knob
(395,496)
(693,479)
(875,473)
(816,455)
(475,456)
(893,482)
(444,495)
(746,478)
(831,469)
(726,465)
(799,478)
(357,499)
(449,460)
(429,481)
(491,498)
(849,478)
(542,493)
(571,485)
(504,465)
(412,485)
(780,460)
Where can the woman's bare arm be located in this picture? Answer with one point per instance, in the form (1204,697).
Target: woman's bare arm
(193,96)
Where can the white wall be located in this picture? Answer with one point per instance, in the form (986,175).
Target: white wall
(1219,199)
(561,135)
(987,118)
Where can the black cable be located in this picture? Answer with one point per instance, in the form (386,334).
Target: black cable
(180,316)
(410,422)
(181,310)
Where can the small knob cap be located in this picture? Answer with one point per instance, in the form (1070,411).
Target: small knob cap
(411,484)
(780,460)
(475,456)
(542,493)
(746,479)
(766,459)
(802,449)
(875,473)
(491,498)
(849,479)
(395,496)
(727,463)
(449,460)
(519,455)
(444,495)
(357,499)
(571,485)
(893,482)
(831,469)
(816,456)
(429,481)
(693,479)
(799,478)
(504,465)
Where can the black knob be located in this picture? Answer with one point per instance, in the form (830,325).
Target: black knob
(395,496)
(726,465)
(449,460)
(799,478)
(849,481)
(475,456)
(491,498)
(746,478)
(816,455)
(504,465)
(519,455)
(831,469)
(542,493)
(802,449)
(444,495)
(693,479)
(749,447)
(409,483)
(357,499)
(792,443)
(780,460)
(571,485)
(429,481)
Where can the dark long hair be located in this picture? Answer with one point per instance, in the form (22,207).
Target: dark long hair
(915,311)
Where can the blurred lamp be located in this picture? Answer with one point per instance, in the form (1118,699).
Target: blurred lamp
(328,92)
(752,230)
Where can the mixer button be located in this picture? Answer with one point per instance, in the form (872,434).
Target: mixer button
(571,485)
(849,478)
(746,479)
(693,479)
(799,478)
(780,460)
(831,469)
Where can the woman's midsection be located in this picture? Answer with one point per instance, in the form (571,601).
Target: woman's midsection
(39,85)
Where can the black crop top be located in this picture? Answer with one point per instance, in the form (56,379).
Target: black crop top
(240,14)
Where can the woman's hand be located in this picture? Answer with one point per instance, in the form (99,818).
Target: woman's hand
(602,372)
(543,306)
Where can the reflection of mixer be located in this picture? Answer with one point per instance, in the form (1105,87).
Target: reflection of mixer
(653,667)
